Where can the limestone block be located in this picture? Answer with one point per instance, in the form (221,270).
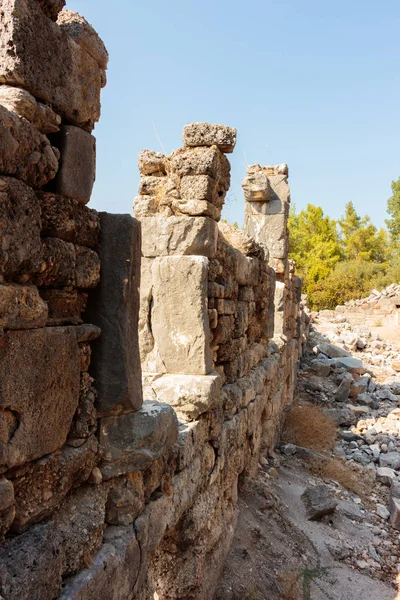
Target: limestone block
(152,185)
(84,423)
(126,499)
(51,8)
(41,486)
(24,152)
(21,247)
(87,268)
(7,506)
(196,208)
(43,556)
(248,270)
(198,187)
(190,395)
(65,264)
(83,34)
(77,172)
(118,560)
(198,161)
(256,187)
(72,79)
(207,134)
(24,104)
(179,317)
(151,163)
(39,392)
(179,235)
(64,306)
(68,220)
(21,307)
(114,307)
(132,442)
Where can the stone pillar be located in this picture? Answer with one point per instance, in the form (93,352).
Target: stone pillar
(179,203)
(267,196)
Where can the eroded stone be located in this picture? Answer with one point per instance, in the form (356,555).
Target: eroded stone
(207,134)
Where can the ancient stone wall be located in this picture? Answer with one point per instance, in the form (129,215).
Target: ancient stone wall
(381,307)
(144,363)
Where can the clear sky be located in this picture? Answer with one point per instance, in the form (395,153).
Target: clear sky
(312,83)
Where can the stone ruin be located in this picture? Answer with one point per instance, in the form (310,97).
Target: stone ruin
(145,362)
(379,307)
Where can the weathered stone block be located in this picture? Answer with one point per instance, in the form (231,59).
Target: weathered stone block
(118,560)
(179,317)
(207,134)
(198,161)
(114,307)
(83,34)
(126,499)
(64,306)
(77,172)
(196,208)
(39,392)
(319,501)
(7,506)
(87,268)
(256,187)
(25,105)
(65,265)
(179,235)
(21,247)
(72,79)
(51,8)
(24,152)
(190,395)
(151,163)
(198,187)
(21,307)
(41,486)
(41,557)
(132,442)
(68,220)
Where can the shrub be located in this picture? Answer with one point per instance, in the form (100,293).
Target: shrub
(309,427)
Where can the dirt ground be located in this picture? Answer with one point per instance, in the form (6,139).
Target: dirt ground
(278,554)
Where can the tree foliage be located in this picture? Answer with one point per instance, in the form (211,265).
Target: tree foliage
(393,209)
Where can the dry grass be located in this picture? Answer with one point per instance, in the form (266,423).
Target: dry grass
(359,483)
(309,427)
(289,584)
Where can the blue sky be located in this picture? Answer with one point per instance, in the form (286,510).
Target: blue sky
(314,84)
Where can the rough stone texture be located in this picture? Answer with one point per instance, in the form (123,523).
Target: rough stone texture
(256,187)
(181,329)
(190,395)
(40,558)
(83,34)
(24,104)
(114,307)
(25,153)
(40,486)
(117,561)
(68,220)
(21,307)
(72,79)
(394,505)
(77,172)
(151,163)
(131,442)
(51,8)
(319,501)
(206,134)
(179,235)
(7,506)
(64,306)
(36,411)
(21,248)
(65,264)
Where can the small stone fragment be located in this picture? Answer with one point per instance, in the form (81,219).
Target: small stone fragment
(207,134)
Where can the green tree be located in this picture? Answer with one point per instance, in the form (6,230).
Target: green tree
(360,238)
(393,209)
(314,244)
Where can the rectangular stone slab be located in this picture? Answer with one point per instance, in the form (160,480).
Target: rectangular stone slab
(163,236)
(21,246)
(179,317)
(39,392)
(24,152)
(38,55)
(114,307)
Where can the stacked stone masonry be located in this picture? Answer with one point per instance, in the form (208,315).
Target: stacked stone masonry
(144,362)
